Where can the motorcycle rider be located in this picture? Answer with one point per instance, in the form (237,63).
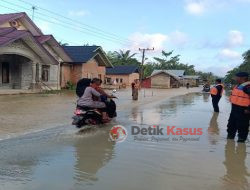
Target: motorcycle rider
(86,100)
(110,105)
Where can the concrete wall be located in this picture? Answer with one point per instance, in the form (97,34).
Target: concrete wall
(26,75)
(54,77)
(19,74)
(126,79)
(65,74)
(160,81)
(192,82)
(92,70)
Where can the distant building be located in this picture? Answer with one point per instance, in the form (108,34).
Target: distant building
(193,80)
(162,79)
(28,58)
(177,73)
(122,75)
(87,62)
(169,79)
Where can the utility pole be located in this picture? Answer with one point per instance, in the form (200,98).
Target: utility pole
(33,12)
(143,50)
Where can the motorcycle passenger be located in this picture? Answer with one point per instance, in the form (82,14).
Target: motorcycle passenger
(87,99)
(110,105)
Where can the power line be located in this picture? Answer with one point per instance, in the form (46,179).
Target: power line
(69,27)
(143,50)
(100,35)
(62,16)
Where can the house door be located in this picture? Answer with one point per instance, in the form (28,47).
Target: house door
(5,73)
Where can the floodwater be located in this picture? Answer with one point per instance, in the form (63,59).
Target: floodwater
(60,158)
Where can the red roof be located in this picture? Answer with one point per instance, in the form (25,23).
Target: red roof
(9,17)
(13,16)
(44,38)
(8,35)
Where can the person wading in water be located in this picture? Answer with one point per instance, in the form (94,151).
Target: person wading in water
(216,93)
(240,113)
(135,88)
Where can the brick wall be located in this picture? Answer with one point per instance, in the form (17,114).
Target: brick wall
(76,73)
(92,70)
(160,81)
(65,74)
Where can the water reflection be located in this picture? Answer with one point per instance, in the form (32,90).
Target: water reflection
(236,170)
(92,153)
(172,105)
(205,97)
(213,129)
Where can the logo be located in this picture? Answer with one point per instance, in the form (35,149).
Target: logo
(168,133)
(118,133)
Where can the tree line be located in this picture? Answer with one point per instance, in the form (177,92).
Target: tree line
(167,61)
(245,66)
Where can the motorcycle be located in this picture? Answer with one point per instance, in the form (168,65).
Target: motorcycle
(206,88)
(91,116)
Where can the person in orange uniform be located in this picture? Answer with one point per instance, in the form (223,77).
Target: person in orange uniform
(240,113)
(216,93)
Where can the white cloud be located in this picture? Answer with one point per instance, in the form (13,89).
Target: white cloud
(140,40)
(220,71)
(235,38)
(79,13)
(195,7)
(179,39)
(227,54)
(176,39)
(199,7)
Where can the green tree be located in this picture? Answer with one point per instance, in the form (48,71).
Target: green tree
(168,62)
(245,66)
(63,44)
(123,58)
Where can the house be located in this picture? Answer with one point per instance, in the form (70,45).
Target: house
(87,62)
(170,79)
(161,79)
(122,75)
(177,73)
(28,58)
(193,80)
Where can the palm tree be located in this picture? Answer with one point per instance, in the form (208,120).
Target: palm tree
(125,57)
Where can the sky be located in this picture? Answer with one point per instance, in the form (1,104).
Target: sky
(210,34)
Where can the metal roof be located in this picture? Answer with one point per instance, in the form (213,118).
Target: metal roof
(81,54)
(122,70)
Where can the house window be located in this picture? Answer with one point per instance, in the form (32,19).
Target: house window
(108,80)
(117,80)
(45,73)
(121,80)
(5,73)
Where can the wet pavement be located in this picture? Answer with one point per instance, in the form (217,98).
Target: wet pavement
(62,158)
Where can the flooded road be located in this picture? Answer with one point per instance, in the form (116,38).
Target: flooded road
(61,159)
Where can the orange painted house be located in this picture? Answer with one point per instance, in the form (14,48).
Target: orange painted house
(88,62)
(122,75)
